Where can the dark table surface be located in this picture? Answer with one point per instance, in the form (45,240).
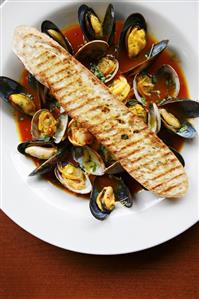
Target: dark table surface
(33,269)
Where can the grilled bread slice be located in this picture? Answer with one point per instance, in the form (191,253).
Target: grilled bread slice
(86,99)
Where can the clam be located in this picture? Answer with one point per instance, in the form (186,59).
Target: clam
(78,135)
(44,126)
(133,35)
(106,192)
(154,118)
(92,51)
(93,28)
(73,178)
(94,56)
(37,149)
(153,53)
(163,84)
(89,160)
(172,123)
(16,95)
(50,164)
(106,68)
(120,88)
(54,32)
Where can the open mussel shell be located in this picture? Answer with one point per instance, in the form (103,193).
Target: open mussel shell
(50,164)
(153,53)
(37,149)
(172,123)
(108,25)
(41,90)
(120,191)
(154,118)
(89,160)
(93,28)
(17,96)
(91,51)
(54,32)
(75,179)
(135,20)
(187,107)
(85,14)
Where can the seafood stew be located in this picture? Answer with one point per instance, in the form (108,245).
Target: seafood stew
(153,87)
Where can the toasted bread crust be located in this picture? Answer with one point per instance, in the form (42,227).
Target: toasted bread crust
(86,99)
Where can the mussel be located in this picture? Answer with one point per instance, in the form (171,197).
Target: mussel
(73,178)
(89,160)
(40,90)
(93,28)
(78,135)
(44,126)
(106,192)
(54,32)
(17,96)
(50,164)
(186,107)
(133,34)
(153,53)
(120,88)
(37,149)
(171,122)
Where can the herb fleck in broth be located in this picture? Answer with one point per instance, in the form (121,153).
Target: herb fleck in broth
(75,36)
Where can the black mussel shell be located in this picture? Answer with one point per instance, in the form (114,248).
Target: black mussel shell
(9,87)
(187,130)
(40,90)
(155,50)
(97,213)
(108,25)
(22,146)
(51,163)
(178,156)
(121,192)
(48,25)
(84,13)
(187,107)
(134,20)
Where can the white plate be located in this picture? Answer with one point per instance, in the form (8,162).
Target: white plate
(65,220)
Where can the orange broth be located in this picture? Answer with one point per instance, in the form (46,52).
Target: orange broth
(74,34)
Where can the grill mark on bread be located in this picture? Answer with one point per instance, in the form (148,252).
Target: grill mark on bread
(168,181)
(94,119)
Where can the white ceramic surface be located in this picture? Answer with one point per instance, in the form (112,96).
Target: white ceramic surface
(60,218)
